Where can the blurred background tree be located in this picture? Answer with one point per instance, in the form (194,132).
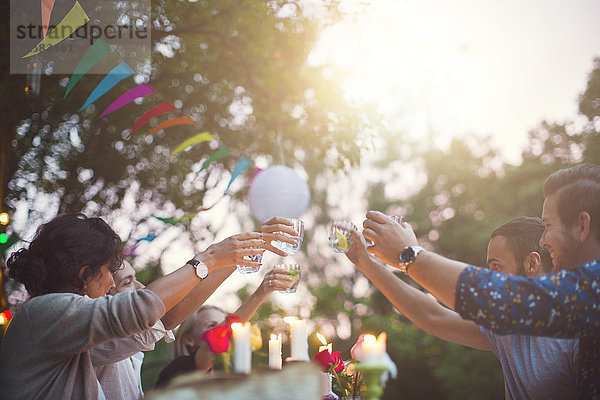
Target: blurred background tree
(239,69)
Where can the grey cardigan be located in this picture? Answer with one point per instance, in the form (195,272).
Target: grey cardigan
(45,355)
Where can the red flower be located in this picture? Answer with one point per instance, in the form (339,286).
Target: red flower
(325,359)
(218,337)
(338,363)
(328,360)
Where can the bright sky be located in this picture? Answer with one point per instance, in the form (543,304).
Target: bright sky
(486,67)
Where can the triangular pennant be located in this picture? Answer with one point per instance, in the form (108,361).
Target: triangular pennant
(139,91)
(199,138)
(160,109)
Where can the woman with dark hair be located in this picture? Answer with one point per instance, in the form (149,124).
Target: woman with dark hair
(67,269)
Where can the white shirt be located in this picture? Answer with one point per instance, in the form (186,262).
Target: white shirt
(118,363)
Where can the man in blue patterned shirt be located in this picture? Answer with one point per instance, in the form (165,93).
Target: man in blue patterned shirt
(534,367)
(563,304)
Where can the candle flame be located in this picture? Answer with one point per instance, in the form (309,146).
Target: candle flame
(322,338)
(236,326)
(370,339)
(289,320)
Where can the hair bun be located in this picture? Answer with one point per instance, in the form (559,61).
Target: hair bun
(29,270)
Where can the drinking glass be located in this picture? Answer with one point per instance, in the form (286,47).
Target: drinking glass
(294,271)
(398,218)
(298,226)
(339,235)
(249,270)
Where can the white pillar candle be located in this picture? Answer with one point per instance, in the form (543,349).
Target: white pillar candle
(299,340)
(242,353)
(373,349)
(275,351)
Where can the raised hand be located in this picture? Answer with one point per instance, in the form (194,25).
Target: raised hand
(274,229)
(231,251)
(388,236)
(275,279)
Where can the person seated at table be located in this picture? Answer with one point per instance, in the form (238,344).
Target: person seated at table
(118,363)
(533,367)
(67,269)
(191,352)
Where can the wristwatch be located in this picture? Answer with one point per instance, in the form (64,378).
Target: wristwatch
(201,268)
(407,256)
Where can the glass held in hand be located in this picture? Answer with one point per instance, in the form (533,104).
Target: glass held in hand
(339,235)
(293,270)
(289,248)
(249,270)
(398,218)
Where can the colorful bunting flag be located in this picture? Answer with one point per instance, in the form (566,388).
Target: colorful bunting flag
(170,123)
(160,109)
(217,155)
(93,56)
(139,91)
(240,167)
(115,76)
(131,250)
(150,237)
(199,138)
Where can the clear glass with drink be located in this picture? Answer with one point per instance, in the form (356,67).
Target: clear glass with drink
(249,270)
(339,235)
(298,226)
(293,270)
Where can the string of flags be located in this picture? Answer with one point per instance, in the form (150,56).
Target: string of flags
(98,52)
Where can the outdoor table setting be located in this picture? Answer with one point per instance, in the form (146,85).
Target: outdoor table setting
(362,375)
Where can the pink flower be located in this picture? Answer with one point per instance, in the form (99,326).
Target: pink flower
(356,350)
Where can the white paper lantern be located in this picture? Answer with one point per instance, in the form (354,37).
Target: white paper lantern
(278,191)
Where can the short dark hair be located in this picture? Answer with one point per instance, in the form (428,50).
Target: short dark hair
(60,248)
(523,236)
(578,190)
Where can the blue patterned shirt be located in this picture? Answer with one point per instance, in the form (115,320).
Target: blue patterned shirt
(564,304)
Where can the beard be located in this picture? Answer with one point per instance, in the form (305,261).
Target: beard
(567,256)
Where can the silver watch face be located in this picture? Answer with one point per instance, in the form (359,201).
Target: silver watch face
(201,270)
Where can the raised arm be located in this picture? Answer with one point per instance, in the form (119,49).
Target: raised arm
(424,311)
(222,257)
(226,255)
(563,304)
(437,274)
(276,279)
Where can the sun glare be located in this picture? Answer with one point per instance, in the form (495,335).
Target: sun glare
(402,57)
(450,68)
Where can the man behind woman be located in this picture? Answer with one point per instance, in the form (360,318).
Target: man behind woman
(68,269)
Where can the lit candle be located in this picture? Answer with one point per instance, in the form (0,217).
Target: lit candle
(242,353)
(326,346)
(373,349)
(298,338)
(275,351)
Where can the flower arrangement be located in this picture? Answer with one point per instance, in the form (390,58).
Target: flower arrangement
(347,378)
(218,339)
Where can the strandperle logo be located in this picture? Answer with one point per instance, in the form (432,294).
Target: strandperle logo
(60,42)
